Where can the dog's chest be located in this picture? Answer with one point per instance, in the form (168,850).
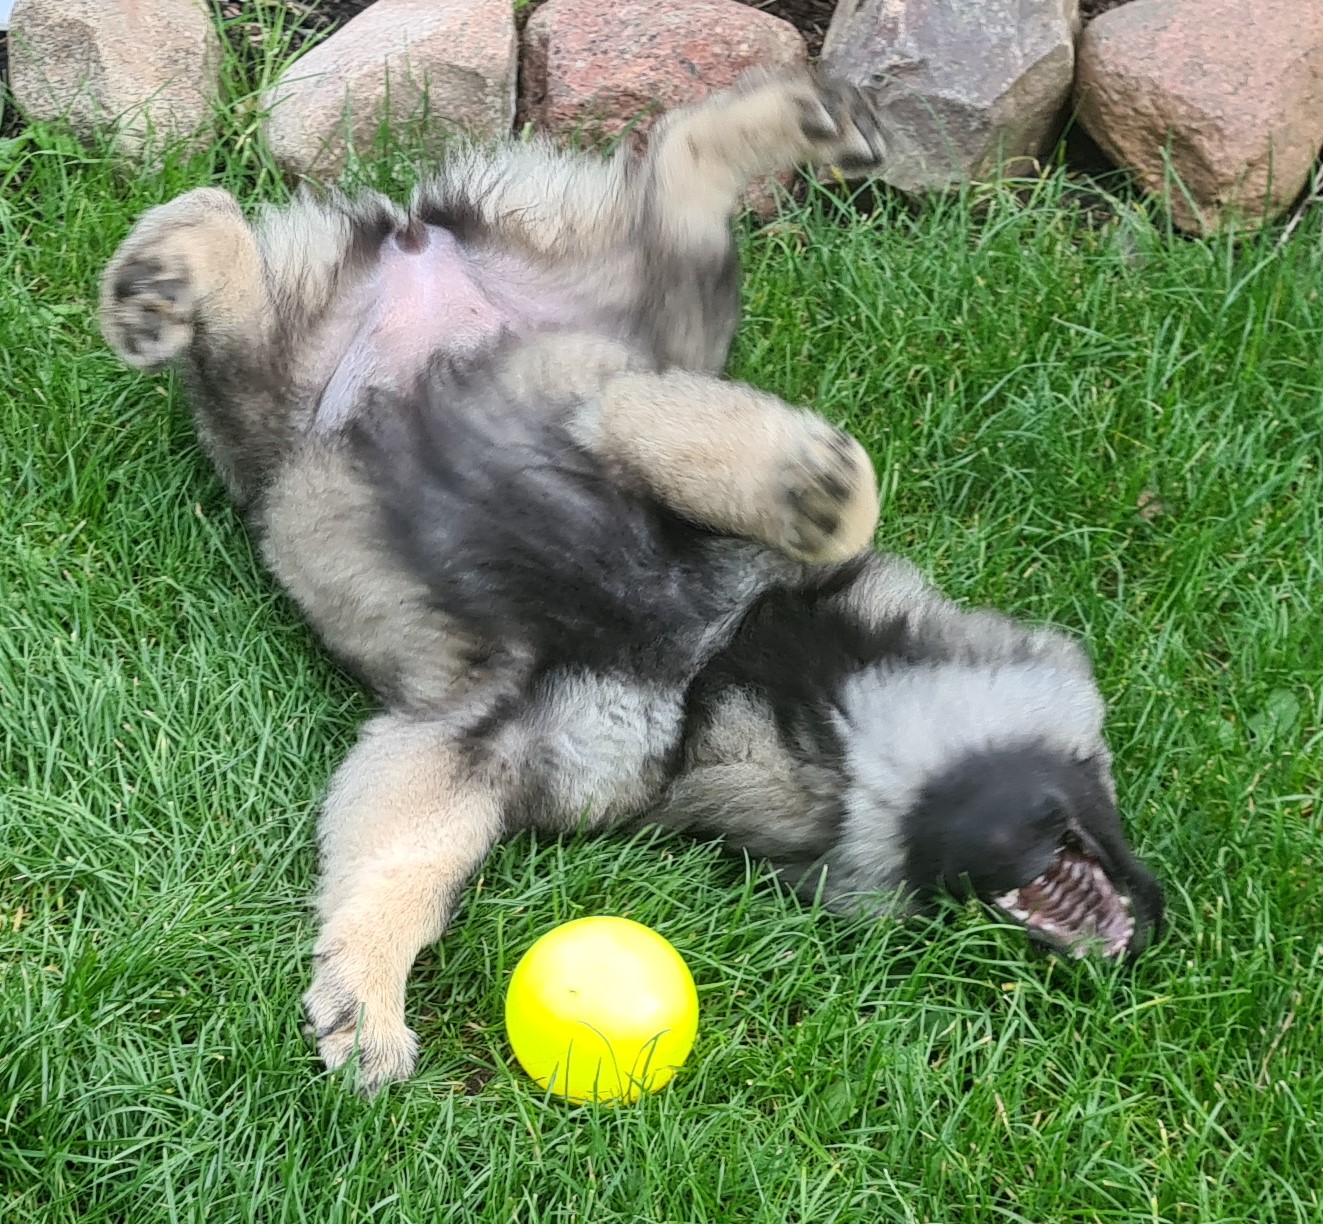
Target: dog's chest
(428,298)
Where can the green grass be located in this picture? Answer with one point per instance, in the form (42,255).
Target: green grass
(1025,384)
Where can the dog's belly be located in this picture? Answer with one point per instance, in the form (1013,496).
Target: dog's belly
(430,298)
(591,749)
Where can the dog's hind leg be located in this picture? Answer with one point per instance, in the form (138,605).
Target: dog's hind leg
(404,826)
(649,240)
(737,460)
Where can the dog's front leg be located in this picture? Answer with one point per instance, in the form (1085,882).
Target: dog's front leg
(404,826)
(737,460)
(190,284)
(702,157)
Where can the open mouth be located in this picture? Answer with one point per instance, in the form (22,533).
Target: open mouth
(1074,906)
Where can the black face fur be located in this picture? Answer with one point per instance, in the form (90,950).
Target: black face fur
(1020,827)
(1021,820)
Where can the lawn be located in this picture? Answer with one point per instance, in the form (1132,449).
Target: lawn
(1106,427)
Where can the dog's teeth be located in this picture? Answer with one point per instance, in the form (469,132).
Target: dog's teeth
(1036,882)
(1081,916)
(1054,891)
(1013,904)
(1074,905)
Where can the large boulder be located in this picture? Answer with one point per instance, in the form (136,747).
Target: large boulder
(1226,95)
(146,71)
(961,87)
(592,69)
(592,72)
(440,67)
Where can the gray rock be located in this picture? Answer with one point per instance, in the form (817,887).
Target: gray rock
(960,84)
(446,66)
(146,70)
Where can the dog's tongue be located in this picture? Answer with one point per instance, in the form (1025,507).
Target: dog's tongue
(1074,906)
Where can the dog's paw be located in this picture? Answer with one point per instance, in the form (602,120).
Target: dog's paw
(829,496)
(841,127)
(383,1048)
(151,290)
(149,318)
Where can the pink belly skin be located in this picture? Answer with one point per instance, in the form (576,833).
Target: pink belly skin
(423,298)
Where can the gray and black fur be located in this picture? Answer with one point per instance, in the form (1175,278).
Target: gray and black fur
(485,445)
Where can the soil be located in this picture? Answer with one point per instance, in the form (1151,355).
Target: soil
(1089,9)
(244,26)
(9,120)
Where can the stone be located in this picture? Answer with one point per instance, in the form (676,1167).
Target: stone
(438,68)
(962,86)
(147,72)
(596,69)
(592,72)
(1226,95)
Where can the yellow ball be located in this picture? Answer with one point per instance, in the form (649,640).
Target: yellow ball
(601,1009)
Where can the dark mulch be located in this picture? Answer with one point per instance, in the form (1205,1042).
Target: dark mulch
(810,17)
(245,20)
(9,120)
(1089,9)
(335,12)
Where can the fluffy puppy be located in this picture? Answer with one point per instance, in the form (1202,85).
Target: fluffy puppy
(484,444)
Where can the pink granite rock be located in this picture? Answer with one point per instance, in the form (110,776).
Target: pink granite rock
(591,70)
(448,66)
(1230,90)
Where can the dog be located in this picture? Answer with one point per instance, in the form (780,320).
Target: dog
(485,443)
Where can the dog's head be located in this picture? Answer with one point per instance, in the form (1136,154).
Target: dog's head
(1033,830)
(995,780)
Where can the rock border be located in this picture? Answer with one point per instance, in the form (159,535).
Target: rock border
(1241,164)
